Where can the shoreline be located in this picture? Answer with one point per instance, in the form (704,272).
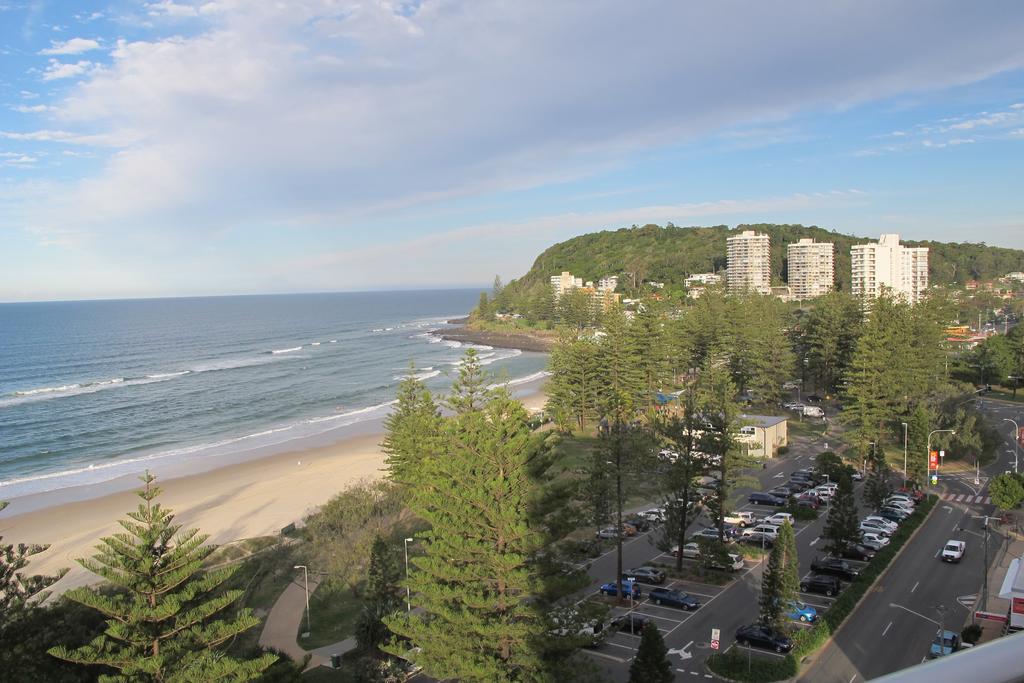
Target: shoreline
(256,497)
(502,340)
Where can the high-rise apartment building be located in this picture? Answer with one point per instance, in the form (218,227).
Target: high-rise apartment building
(749,259)
(888,265)
(811,268)
(564,282)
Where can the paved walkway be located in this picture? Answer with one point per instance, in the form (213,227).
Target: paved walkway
(285,619)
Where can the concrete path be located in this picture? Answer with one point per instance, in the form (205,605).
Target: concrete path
(285,619)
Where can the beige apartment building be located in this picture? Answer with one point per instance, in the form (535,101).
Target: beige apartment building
(888,265)
(749,259)
(811,268)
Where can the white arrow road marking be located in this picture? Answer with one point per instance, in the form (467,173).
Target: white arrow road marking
(683,654)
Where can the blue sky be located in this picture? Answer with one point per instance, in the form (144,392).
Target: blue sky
(224,146)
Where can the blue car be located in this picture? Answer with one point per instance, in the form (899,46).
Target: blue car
(799,611)
(673,598)
(628,588)
(945,644)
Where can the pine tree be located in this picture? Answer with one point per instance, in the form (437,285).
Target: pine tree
(649,335)
(410,429)
(833,327)
(16,588)
(773,362)
(618,360)
(877,487)
(164,623)
(382,597)
(919,424)
(573,385)
(651,664)
(473,618)
(470,390)
(718,416)
(842,527)
(780,582)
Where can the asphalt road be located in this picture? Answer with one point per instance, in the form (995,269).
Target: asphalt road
(879,638)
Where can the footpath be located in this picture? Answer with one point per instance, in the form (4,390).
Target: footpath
(285,620)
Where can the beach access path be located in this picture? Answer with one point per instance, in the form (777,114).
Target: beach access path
(285,620)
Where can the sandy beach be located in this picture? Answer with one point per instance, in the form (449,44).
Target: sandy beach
(254,498)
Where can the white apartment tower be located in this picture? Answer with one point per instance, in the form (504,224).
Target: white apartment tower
(888,265)
(749,262)
(811,268)
(564,282)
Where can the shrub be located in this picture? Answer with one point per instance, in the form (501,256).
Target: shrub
(971,634)
(783,450)
(742,666)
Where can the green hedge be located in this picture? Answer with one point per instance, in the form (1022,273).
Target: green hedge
(807,641)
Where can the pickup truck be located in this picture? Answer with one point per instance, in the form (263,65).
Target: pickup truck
(953,551)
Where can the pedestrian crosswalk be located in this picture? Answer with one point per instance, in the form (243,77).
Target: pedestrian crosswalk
(966,498)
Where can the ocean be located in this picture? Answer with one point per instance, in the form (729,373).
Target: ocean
(91,391)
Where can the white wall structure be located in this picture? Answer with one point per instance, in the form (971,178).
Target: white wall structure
(888,265)
(749,259)
(811,268)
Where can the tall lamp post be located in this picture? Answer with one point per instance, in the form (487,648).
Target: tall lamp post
(1016,442)
(408,593)
(305,576)
(928,454)
(906,476)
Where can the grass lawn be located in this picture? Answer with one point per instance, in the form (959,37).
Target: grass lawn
(1004,394)
(334,611)
(262,578)
(810,426)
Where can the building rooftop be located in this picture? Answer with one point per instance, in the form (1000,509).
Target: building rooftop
(763,420)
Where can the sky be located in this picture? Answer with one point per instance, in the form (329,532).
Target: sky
(229,147)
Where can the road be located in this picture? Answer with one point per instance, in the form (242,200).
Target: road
(877,638)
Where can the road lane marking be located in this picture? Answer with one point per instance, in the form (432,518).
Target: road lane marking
(816,540)
(916,584)
(886,630)
(853,678)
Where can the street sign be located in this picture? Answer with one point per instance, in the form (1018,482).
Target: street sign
(715,634)
(714,644)
(935,479)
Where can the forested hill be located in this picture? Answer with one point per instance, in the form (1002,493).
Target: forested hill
(669,254)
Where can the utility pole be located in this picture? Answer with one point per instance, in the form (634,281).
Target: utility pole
(1016,442)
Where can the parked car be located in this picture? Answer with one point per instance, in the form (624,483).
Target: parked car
(893,514)
(673,598)
(792,405)
(945,643)
(763,498)
(631,623)
(778,519)
(628,587)
(875,528)
(834,566)
(800,611)
(654,515)
(799,485)
(821,583)
(917,495)
(872,540)
(690,550)
(791,385)
(888,524)
(784,490)
(608,532)
(857,475)
(645,575)
(900,499)
(810,497)
(858,552)
(813,411)
(813,398)
(768,531)
(829,486)
(734,565)
(741,518)
(762,636)
(638,522)
(711,533)
(953,551)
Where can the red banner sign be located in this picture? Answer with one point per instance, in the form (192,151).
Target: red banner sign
(933,459)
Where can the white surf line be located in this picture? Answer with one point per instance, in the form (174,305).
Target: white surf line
(916,584)
(885,630)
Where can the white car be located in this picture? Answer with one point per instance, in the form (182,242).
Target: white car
(873,540)
(791,385)
(829,486)
(953,551)
(886,523)
(824,494)
(690,550)
(655,515)
(767,531)
(900,505)
(900,498)
(741,518)
(778,519)
(873,528)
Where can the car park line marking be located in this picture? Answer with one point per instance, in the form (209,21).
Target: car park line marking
(624,647)
(853,678)
(916,584)
(884,631)
(816,540)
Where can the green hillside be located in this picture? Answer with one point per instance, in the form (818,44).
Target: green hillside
(669,254)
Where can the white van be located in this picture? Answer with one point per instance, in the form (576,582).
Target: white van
(813,411)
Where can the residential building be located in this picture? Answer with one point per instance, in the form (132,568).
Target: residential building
(763,434)
(888,265)
(564,282)
(811,268)
(749,260)
(703,279)
(608,283)
(1016,275)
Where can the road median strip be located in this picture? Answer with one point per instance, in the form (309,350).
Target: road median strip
(733,666)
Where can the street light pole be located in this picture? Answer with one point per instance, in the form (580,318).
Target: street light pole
(305,576)
(408,593)
(906,477)
(928,454)
(1016,442)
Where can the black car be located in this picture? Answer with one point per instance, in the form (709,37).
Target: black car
(834,566)
(631,623)
(821,583)
(765,498)
(644,575)
(893,514)
(859,552)
(673,598)
(813,398)
(799,485)
(761,636)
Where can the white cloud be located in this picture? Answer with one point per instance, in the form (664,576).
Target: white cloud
(32,109)
(74,46)
(18,159)
(57,70)
(28,95)
(325,108)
